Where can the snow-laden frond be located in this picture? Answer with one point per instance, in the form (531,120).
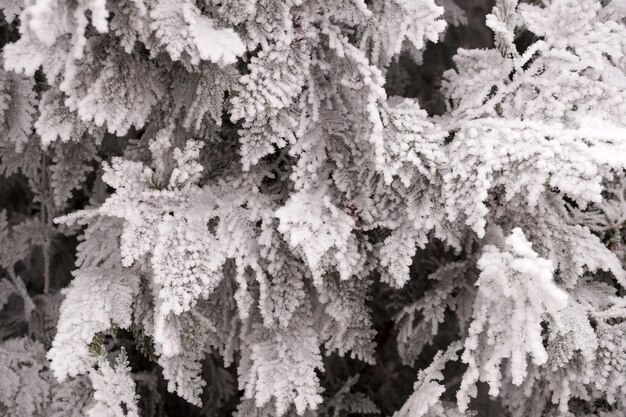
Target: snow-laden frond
(411,144)
(282,286)
(50,20)
(181,28)
(517,115)
(395,21)
(525,157)
(201,95)
(396,254)
(584,347)
(413,216)
(347,328)
(322,232)
(57,121)
(563,238)
(176,238)
(182,370)
(573,334)
(114,389)
(266,22)
(113,89)
(280,364)
(276,78)
(428,388)
(181,269)
(610,376)
(579,25)
(607,219)
(516,293)
(25,55)
(96,300)
(571,348)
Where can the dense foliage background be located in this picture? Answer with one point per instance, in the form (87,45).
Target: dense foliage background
(248,218)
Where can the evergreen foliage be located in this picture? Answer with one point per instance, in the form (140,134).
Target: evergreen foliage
(313,208)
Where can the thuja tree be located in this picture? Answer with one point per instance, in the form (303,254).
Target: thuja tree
(312,207)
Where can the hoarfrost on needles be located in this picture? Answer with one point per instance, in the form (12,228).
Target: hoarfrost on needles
(313,207)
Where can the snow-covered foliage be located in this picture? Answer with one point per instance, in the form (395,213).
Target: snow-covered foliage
(425,399)
(515,294)
(114,390)
(221,199)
